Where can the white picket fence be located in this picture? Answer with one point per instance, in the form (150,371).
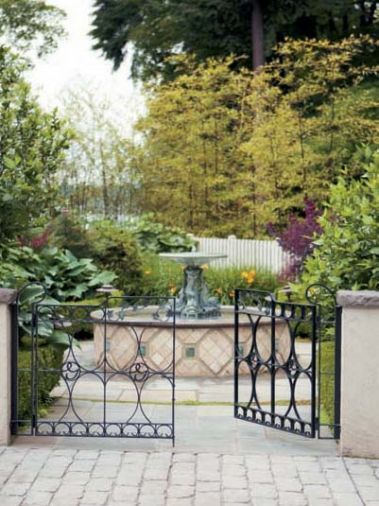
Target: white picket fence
(244,252)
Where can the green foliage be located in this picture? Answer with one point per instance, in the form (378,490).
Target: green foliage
(223,281)
(189,164)
(159,29)
(165,278)
(160,278)
(67,232)
(327,379)
(155,237)
(347,253)
(215,28)
(63,275)
(32,151)
(48,358)
(226,152)
(116,249)
(30,24)
(111,247)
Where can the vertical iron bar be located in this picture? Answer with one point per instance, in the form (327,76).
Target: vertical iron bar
(173,371)
(318,334)
(105,366)
(236,349)
(273,360)
(314,370)
(14,367)
(337,373)
(34,366)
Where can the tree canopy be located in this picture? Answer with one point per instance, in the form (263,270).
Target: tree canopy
(156,29)
(222,151)
(26,24)
(32,146)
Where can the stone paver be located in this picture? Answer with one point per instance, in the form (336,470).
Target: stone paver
(57,476)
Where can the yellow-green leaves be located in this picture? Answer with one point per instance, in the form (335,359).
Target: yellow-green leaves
(227,151)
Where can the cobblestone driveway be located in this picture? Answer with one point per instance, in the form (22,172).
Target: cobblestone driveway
(69,477)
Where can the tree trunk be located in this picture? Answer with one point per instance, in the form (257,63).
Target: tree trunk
(257,39)
(105,183)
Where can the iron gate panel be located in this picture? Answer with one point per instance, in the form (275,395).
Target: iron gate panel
(131,321)
(269,322)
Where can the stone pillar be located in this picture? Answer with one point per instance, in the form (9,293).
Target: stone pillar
(360,374)
(6,299)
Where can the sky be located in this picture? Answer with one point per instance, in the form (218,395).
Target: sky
(74,64)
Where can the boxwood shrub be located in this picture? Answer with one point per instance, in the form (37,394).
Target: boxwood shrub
(49,357)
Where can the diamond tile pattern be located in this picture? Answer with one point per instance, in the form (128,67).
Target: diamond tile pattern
(214,347)
(216,350)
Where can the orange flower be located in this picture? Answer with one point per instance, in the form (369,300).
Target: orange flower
(218,290)
(248,276)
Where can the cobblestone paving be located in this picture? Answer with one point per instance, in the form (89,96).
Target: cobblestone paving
(68,477)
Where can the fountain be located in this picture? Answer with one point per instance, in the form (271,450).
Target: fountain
(194,301)
(204,330)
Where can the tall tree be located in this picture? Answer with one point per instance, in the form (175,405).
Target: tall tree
(96,178)
(157,29)
(30,24)
(257,34)
(223,152)
(32,147)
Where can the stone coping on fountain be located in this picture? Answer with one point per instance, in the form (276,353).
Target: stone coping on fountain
(145,316)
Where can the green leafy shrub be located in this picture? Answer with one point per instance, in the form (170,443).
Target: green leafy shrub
(347,253)
(64,276)
(116,249)
(108,244)
(223,281)
(48,358)
(162,277)
(159,277)
(158,238)
(33,145)
(327,381)
(67,232)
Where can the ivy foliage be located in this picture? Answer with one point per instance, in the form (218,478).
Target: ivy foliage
(347,253)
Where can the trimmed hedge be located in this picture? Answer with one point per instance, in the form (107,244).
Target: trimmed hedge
(327,380)
(48,358)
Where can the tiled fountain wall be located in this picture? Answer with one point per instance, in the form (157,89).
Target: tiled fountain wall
(206,350)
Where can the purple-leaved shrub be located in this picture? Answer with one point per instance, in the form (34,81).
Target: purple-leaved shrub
(297,239)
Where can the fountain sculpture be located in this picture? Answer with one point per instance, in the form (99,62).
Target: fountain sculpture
(194,301)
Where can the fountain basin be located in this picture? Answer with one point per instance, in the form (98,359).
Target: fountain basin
(203,347)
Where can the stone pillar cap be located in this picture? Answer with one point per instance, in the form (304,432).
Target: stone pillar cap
(365,298)
(7,295)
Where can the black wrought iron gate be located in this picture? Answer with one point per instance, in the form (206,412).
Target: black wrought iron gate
(102,390)
(276,384)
